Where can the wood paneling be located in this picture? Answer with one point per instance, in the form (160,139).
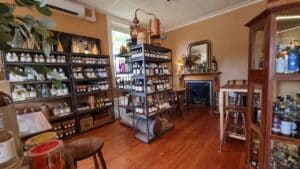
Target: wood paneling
(192,144)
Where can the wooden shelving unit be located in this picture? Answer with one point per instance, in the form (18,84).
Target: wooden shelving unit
(27,103)
(83,97)
(73,97)
(269,37)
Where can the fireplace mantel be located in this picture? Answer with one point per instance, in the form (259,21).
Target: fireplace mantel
(214,77)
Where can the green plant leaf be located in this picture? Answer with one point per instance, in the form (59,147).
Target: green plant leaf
(41,69)
(56,83)
(46,48)
(47,23)
(18,40)
(5,37)
(44,10)
(4,46)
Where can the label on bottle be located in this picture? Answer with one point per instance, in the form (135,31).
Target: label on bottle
(292,62)
(286,128)
(7,151)
(280,65)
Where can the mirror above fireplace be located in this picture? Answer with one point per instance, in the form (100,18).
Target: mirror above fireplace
(199,56)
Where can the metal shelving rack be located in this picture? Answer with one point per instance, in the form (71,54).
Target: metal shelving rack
(124,92)
(7,65)
(146,137)
(106,93)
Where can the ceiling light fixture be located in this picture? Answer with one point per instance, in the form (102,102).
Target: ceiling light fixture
(288,17)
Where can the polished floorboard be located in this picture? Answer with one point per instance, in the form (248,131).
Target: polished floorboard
(192,144)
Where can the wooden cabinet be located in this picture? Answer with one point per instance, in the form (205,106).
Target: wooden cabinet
(273,117)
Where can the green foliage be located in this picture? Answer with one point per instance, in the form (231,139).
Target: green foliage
(14,30)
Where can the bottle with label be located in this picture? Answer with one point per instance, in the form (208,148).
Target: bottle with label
(293,59)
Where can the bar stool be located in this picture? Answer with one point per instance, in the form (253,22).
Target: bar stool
(235,122)
(179,97)
(188,98)
(86,147)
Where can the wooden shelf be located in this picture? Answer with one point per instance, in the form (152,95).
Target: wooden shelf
(24,50)
(255,128)
(151,60)
(90,55)
(286,139)
(57,118)
(83,112)
(91,93)
(124,73)
(123,55)
(89,65)
(126,107)
(92,79)
(33,64)
(288,76)
(149,76)
(124,90)
(42,99)
(152,93)
(108,121)
(35,82)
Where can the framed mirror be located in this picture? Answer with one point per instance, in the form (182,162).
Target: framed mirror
(199,54)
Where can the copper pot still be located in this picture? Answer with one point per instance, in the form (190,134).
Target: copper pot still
(155,28)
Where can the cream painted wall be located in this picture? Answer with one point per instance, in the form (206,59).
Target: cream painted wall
(229,38)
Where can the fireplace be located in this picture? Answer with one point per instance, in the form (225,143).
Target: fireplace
(201,91)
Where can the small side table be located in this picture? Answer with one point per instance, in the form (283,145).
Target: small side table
(86,147)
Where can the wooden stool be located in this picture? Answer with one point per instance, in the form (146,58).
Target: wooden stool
(188,98)
(84,148)
(179,96)
(232,127)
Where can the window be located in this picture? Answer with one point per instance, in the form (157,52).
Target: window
(118,39)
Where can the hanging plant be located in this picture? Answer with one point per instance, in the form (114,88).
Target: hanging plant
(14,30)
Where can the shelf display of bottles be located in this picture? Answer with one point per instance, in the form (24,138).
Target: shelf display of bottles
(287,60)
(254,150)
(123,65)
(284,156)
(125,83)
(28,73)
(95,86)
(150,69)
(149,53)
(89,60)
(26,57)
(286,117)
(90,73)
(64,129)
(156,85)
(27,92)
(149,84)
(276,118)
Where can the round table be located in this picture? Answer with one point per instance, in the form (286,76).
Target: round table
(86,147)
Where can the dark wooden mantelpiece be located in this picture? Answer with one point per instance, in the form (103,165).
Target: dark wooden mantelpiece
(212,76)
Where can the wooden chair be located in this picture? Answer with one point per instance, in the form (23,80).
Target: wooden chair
(86,147)
(188,98)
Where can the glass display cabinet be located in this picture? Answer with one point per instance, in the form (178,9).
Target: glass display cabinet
(273,118)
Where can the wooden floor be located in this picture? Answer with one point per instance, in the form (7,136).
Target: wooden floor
(192,144)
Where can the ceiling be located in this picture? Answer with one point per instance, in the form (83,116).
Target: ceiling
(172,14)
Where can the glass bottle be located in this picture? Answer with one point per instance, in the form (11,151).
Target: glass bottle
(11,149)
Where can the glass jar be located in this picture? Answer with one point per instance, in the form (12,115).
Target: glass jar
(11,150)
